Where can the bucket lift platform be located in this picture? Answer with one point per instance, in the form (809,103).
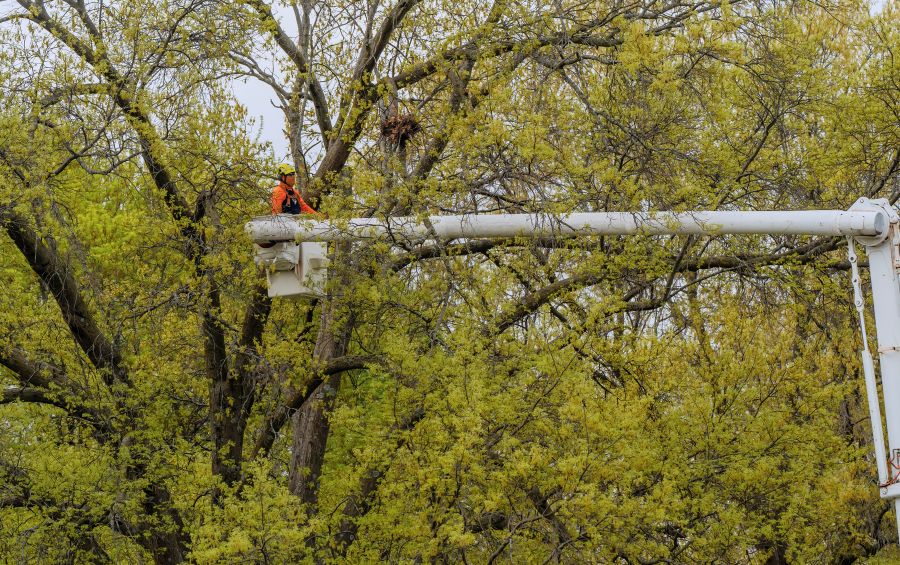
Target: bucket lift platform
(298,270)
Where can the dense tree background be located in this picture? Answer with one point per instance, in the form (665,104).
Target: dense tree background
(611,400)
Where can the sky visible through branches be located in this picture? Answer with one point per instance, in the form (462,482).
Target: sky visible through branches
(269,120)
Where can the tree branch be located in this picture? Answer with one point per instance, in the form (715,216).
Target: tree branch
(442,137)
(95,418)
(58,276)
(282,414)
(39,374)
(584,34)
(32,395)
(370,53)
(13,17)
(255,318)
(358,505)
(120,90)
(256,72)
(800,255)
(317,95)
(232,393)
(356,100)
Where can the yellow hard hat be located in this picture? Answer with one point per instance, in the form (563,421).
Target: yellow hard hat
(285,169)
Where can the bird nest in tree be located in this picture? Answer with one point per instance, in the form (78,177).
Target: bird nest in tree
(398,129)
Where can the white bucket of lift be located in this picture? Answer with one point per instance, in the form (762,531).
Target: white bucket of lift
(294,270)
(282,256)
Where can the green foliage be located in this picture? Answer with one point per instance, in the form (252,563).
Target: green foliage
(609,400)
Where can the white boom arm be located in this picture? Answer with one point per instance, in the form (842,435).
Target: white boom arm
(816,222)
(294,270)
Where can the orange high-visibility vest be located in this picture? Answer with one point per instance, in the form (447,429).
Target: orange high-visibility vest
(287,200)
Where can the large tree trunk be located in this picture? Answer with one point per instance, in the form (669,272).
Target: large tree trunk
(232,389)
(310,435)
(310,423)
(167,540)
(224,398)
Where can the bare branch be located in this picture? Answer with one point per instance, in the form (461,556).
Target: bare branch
(31,395)
(303,66)
(254,70)
(371,52)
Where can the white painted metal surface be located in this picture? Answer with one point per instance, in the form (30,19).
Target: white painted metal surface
(868,369)
(812,222)
(884,263)
(294,270)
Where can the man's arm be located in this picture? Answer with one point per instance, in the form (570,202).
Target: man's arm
(304,207)
(277,198)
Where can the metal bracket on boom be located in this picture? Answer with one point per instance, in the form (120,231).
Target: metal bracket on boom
(883,223)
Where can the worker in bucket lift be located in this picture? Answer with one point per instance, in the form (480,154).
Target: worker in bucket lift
(285,198)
